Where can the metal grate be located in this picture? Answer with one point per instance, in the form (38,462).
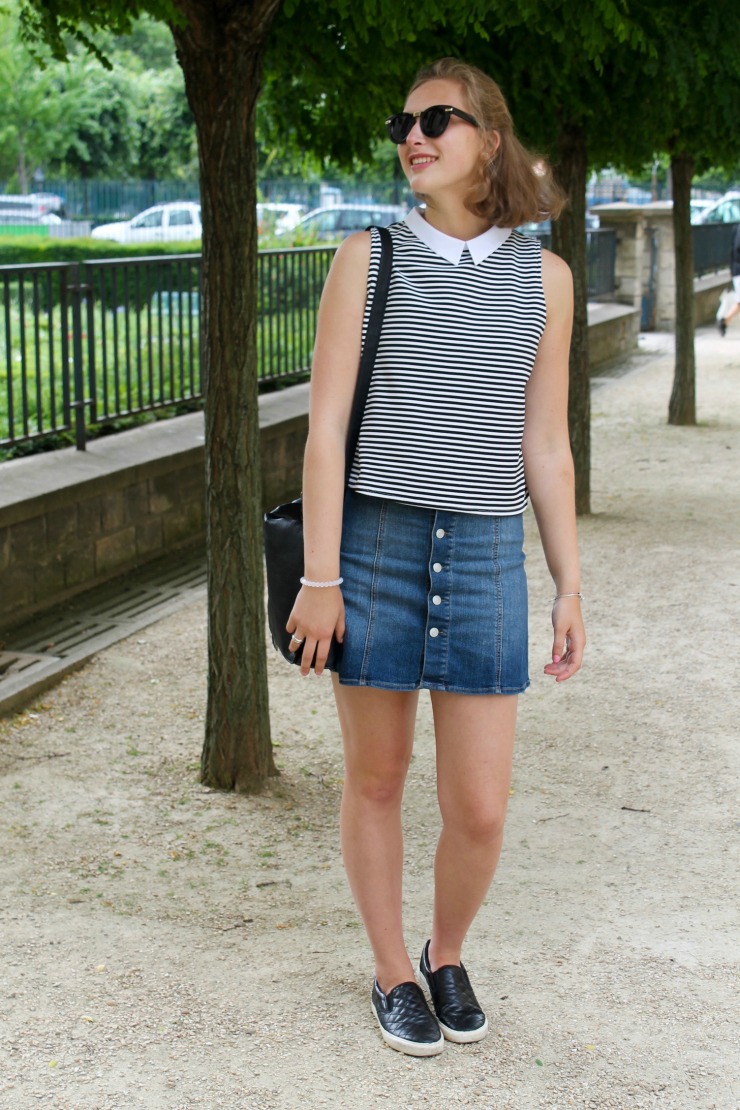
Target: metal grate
(73,632)
(14,662)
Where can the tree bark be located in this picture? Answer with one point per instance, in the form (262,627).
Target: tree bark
(220,49)
(569,241)
(682,405)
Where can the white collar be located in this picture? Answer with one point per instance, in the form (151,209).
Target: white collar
(451,249)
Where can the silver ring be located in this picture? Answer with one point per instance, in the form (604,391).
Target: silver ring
(297,639)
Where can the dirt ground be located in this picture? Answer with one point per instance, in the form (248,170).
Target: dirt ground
(166,946)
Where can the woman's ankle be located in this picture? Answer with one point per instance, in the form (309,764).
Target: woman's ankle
(442,955)
(388,976)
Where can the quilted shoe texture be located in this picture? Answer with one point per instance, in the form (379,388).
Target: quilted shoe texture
(458,1013)
(406,1022)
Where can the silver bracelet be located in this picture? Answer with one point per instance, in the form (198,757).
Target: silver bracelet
(321,585)
(576,593)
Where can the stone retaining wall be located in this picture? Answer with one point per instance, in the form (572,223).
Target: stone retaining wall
(70,520)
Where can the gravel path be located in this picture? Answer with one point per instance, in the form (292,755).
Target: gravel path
(165,946)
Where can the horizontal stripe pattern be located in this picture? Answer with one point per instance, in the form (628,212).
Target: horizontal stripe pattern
(444,417)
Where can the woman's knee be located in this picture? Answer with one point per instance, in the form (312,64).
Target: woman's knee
(479,824)
(378,784)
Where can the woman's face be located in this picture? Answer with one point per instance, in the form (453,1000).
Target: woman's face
(451,161)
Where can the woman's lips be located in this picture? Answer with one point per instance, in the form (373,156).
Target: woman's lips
(420,161)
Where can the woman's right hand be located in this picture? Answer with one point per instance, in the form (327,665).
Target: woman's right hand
(317,615)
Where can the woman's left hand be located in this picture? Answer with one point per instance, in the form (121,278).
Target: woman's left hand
(569,640)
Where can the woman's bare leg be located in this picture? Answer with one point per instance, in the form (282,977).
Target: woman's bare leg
(378,731)
(475,741)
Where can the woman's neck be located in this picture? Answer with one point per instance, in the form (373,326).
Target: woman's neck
(455,220)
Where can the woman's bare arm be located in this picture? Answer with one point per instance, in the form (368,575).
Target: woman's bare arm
(319,613)
(548,465)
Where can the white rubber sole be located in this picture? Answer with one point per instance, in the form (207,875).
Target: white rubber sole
(453,1035)
(410,1048)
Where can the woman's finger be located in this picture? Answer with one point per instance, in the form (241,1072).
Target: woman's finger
(322,651)
(307,659)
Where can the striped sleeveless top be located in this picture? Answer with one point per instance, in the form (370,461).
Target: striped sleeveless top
(444,417)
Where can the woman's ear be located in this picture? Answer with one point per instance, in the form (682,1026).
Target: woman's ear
(492,146)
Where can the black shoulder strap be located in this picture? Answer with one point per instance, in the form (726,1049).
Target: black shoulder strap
(369,350)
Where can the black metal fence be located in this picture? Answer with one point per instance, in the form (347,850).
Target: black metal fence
(88,344)
(712,244)
(601,258)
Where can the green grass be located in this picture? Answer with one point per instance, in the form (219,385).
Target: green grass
(133,361)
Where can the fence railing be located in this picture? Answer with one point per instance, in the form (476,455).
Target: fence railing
(601,257)
(712,244)
(86,344)
(601,260)
(91,343)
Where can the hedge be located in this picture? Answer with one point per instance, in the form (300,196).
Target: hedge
(24,250)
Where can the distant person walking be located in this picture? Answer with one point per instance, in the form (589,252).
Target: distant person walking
(418,567)
(735,271)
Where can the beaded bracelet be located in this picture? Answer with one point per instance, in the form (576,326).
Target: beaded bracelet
(576,593)
(321,585)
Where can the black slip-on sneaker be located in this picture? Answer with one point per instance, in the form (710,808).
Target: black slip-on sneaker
(460,1017)
(406,1022)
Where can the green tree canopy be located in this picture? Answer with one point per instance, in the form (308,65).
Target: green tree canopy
(82,119)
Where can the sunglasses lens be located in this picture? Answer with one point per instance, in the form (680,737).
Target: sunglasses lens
(434,121)
(399,127)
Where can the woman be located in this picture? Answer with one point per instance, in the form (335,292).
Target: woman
(419,569)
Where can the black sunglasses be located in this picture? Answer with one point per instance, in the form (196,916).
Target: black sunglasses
(433,122)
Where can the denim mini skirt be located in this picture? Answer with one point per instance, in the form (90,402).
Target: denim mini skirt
(434,599)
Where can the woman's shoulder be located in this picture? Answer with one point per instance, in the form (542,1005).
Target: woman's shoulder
(557,284)
(354,250)
(555,267)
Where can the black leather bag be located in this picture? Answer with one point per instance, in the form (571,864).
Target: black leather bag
(283,525)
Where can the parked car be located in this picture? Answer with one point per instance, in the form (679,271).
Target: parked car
(544,227)
(340,220)
(277,216)
(49,202)
(25,210)
(698,208)
(179,220)
(726,210)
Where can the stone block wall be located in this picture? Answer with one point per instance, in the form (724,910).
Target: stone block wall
(646,264)
(67,540)
(70,520)
(612,332)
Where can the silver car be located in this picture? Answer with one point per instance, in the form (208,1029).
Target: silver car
(340,220)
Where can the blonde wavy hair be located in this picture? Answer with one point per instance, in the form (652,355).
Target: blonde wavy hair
(514,186)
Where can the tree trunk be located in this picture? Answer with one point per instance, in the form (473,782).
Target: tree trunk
(569,241)
(220,50)
(682,405)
